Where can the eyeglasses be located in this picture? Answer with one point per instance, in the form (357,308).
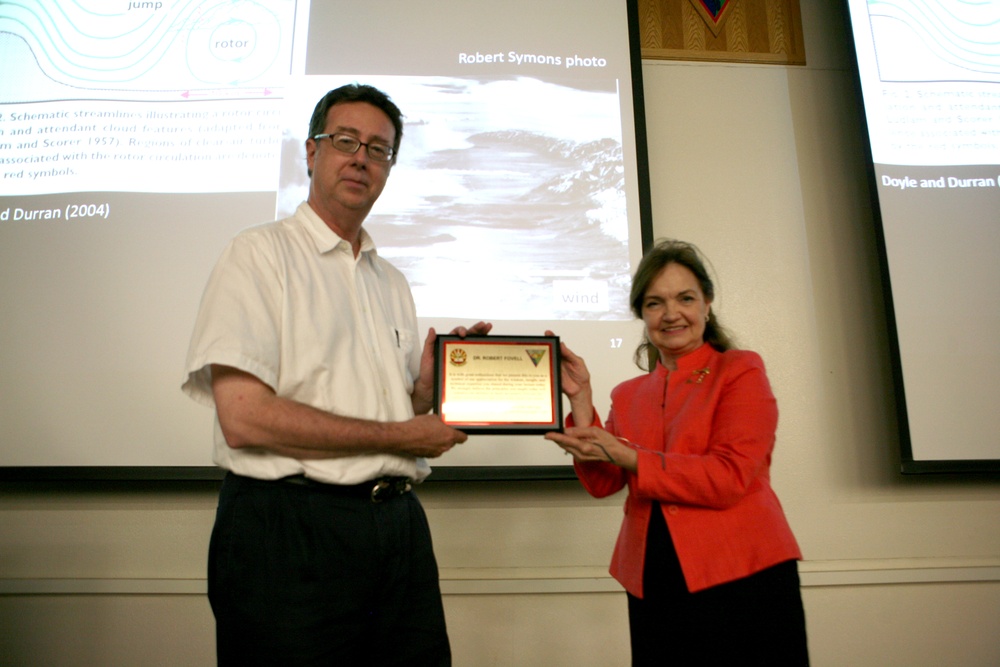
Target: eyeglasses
(345,143)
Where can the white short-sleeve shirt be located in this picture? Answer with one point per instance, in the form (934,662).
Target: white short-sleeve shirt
(290,304)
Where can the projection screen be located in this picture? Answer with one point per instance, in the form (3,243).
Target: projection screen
(929,74)
(137,138)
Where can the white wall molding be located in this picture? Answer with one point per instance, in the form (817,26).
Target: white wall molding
(558,580)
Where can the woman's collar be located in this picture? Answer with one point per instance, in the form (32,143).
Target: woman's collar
(691,361)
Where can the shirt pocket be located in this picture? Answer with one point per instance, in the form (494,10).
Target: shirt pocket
(407,360)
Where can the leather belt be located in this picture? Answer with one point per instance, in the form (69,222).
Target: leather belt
(376,490)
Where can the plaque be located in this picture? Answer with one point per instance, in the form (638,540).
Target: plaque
(498,384)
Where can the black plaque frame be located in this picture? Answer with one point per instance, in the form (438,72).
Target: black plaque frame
(516,344)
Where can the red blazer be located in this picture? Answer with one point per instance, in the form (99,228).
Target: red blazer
(704,434)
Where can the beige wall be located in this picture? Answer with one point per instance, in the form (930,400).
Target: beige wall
(762,167)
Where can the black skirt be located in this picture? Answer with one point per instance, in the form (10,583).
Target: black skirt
(757,620)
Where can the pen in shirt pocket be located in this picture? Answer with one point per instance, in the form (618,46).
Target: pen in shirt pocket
(397,336)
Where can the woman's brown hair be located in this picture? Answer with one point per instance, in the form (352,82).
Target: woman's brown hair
(671,251)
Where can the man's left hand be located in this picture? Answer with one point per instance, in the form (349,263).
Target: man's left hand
(423,389)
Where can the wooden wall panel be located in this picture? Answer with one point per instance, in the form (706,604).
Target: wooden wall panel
(758,31)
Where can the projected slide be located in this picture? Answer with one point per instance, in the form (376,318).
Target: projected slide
(930,77)
(936,40)
(931,81)
(141,96)
(137,138)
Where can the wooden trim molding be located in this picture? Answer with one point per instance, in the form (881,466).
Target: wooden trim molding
(751,31)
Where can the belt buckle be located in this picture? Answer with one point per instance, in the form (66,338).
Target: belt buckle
(385,489)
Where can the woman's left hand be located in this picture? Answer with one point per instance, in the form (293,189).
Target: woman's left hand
(592,443)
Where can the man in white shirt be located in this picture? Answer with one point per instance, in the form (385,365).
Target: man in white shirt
(306,344)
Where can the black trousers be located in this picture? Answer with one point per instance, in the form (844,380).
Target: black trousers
(757,620)
(302,576)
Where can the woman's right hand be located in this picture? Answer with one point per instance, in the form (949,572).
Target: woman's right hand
(575,379)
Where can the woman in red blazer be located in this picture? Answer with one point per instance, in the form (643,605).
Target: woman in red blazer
(704,552)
